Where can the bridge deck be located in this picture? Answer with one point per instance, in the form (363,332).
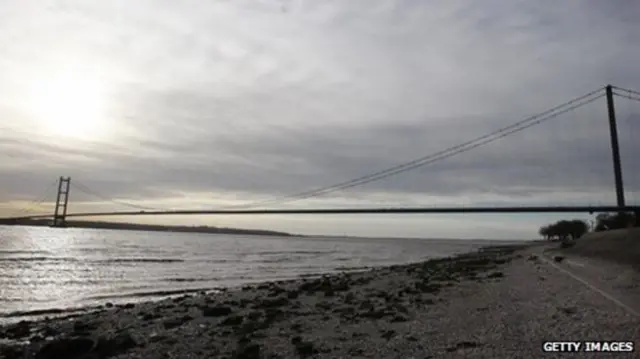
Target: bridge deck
(426,210)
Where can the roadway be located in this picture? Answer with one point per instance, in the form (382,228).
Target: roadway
(388,210)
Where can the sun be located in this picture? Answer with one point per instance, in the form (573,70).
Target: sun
(69,104)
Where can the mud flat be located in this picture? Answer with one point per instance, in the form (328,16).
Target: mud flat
(500,302)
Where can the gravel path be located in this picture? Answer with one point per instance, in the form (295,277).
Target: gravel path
(498,303)
(619,280)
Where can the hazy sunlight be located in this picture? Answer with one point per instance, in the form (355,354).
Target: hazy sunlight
(69,104)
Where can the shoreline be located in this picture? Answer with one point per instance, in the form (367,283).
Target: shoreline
(444,307)
(39,312)
(11,318)
(56,315)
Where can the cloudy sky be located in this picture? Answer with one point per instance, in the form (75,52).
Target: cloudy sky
(197,104)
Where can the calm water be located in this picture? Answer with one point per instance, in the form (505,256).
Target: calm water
(45,268)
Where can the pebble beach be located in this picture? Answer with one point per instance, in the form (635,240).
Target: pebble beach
(499,302)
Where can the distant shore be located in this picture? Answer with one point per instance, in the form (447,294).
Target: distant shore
(151,227)
(499,302)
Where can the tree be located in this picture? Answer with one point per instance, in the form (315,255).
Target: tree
(545,232)
(578,228)
(564,229)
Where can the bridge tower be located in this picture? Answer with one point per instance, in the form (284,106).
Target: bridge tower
(615,147)
(62,201)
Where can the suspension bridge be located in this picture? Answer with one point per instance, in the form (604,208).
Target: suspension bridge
(608,92)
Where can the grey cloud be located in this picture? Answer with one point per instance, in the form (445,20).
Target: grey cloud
(298,161)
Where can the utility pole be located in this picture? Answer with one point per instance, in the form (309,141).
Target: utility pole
(62,201)
(615,148)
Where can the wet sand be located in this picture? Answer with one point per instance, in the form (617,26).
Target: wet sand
(500,302)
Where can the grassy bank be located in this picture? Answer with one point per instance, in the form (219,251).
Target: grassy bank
(620,246)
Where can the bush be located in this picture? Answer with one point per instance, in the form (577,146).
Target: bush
(609,221)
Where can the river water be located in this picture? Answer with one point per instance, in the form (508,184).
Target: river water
(47,270)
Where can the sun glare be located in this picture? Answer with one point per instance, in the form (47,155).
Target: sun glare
(69,105)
